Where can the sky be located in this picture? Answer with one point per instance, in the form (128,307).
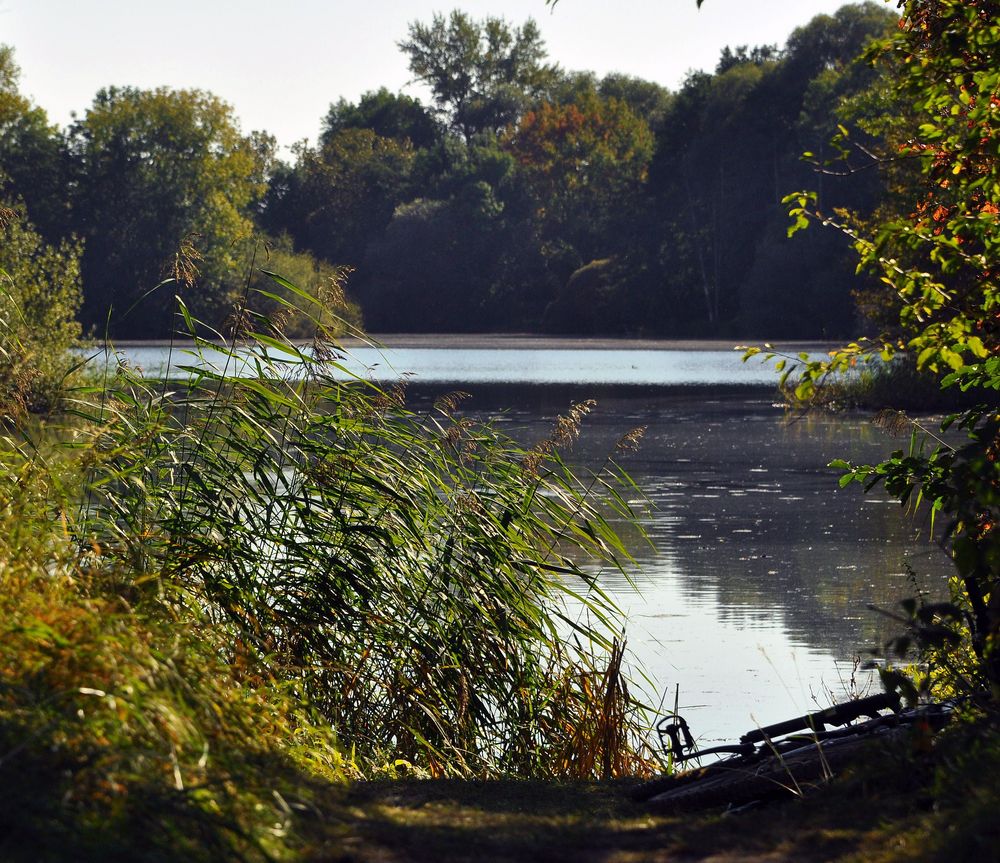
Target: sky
(281,64)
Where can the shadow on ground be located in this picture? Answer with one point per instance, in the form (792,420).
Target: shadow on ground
(518,821)
(902,805)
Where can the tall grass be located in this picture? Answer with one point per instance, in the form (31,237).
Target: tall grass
(276,573)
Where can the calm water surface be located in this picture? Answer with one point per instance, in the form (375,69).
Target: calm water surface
(511,363)
(754,600)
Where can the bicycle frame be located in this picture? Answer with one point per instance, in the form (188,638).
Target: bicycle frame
(781,757)
(679,745)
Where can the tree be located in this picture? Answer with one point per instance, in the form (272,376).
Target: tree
(585,163)
(339,196)
(713,182)
(758,56)
(647,99)
(165,184)
(388,115)
(430,270)
(941,259)
(482,74)
(832,41)
(729,150)
(32,155)
(457,261)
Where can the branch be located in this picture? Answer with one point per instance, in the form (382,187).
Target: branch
(875,161)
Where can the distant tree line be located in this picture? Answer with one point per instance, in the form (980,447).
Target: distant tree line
(524,197)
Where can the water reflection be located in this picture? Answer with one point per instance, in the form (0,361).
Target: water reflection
(755,599)
(597,366)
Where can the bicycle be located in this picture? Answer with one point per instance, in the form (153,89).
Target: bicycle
(783,758)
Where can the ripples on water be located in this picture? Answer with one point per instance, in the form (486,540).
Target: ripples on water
(754,601)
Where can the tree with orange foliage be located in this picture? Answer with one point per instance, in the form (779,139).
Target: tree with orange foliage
(584,162)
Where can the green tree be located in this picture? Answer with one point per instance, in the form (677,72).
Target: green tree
(647,99)
(32,155)
(832,41)
(387,114)
(165,185)
(442,263)
(941,260)
(482,74)
(712,183)
(728,151)
(337,197)
(758,56)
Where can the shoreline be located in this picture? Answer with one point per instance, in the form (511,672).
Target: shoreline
(519,341)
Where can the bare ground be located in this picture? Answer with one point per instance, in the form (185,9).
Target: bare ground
(909,804)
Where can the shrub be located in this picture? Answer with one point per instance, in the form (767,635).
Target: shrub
(39,298)
(124,731)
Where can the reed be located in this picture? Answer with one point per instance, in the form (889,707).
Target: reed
(224,588)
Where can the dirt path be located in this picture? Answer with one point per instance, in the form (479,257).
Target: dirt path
(506,822)
(909,803)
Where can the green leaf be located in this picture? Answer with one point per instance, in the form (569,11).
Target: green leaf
(925,355)
(281,280)
(805,390)
(40,631)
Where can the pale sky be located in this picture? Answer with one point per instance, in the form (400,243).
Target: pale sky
(280,63)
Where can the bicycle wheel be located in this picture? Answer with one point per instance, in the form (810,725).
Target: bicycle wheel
(789,773)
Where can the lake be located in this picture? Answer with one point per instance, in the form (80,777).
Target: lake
(754,601)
